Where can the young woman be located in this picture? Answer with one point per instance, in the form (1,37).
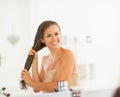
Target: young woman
(59,65)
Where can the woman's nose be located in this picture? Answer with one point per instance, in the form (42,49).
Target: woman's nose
(54,38)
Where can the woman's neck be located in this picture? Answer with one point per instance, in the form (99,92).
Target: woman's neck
(55,52)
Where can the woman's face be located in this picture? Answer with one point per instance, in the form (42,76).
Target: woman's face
(52,37)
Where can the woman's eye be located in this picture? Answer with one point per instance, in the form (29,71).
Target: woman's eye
(48,35)
(56,33)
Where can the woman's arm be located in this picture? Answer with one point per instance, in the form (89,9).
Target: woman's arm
(35,73)
(66,67)
(64,73)
(44,86)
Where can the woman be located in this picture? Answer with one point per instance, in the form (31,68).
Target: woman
(58,65)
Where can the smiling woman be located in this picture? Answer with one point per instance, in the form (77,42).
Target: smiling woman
(59,65)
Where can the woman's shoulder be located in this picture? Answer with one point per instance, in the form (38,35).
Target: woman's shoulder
(67,52)
(45,57)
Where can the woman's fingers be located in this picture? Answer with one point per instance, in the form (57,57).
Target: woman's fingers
(31,52)
(23,73)
(35,54)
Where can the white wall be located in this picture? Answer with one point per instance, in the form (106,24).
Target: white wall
(98,19)
(14,19)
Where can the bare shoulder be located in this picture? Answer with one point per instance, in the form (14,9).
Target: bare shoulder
(68,57)
(68,53)
(44,57)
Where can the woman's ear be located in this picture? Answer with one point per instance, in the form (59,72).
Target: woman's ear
(42,40)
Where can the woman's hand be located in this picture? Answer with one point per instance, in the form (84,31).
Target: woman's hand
(25,75)
(33,52)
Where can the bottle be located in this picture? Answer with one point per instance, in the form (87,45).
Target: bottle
(62,86)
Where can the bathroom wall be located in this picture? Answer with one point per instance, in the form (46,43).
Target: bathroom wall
(89,27)
(15,40)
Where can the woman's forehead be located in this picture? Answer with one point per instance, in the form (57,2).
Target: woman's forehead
(52,29)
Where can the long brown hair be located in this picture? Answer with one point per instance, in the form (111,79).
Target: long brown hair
(38,45)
